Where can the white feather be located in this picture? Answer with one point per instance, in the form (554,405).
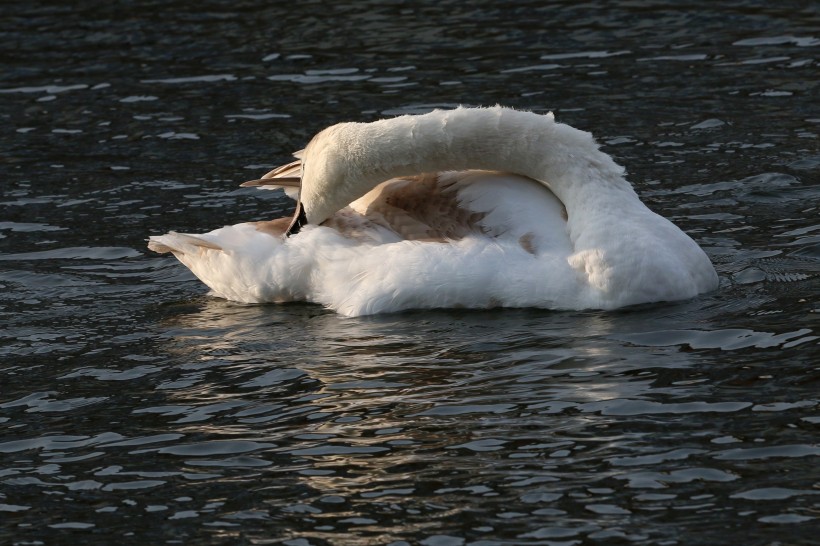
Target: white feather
(566,231)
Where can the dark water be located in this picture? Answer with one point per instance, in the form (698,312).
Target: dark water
(134,408)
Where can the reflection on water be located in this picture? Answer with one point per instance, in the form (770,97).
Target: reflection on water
(134,406)
(518,425)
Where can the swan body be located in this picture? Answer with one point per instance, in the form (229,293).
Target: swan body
(473,207)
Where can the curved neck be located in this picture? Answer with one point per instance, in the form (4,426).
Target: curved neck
(347,160)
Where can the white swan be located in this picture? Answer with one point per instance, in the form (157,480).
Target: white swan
(473,207)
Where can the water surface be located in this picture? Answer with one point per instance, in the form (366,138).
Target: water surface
(136,408)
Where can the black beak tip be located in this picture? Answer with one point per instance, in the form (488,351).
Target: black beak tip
(299,220)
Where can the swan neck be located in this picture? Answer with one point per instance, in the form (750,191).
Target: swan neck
(358,156)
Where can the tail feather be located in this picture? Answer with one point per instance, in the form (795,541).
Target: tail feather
(287,177)
(180,242)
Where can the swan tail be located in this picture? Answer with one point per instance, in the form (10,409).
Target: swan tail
(181,243)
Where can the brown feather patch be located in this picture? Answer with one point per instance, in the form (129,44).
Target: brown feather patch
(276,228)
(351,224)
(527,242)
(421,208)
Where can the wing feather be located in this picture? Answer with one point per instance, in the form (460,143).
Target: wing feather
(287,177)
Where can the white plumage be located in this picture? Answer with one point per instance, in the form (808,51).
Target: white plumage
(473,207)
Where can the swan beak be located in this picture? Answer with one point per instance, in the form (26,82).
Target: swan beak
(287,183)
(299,220)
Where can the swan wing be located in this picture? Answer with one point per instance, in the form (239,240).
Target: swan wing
(449,206)
(287,177)
(419,208)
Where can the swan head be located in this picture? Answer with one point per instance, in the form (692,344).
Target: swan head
(329,173)
(319,181)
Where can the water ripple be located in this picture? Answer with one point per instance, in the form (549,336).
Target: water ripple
(135,407)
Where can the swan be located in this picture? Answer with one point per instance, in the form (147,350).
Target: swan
(472,207)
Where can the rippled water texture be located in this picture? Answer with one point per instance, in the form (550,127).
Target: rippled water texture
(135,408)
